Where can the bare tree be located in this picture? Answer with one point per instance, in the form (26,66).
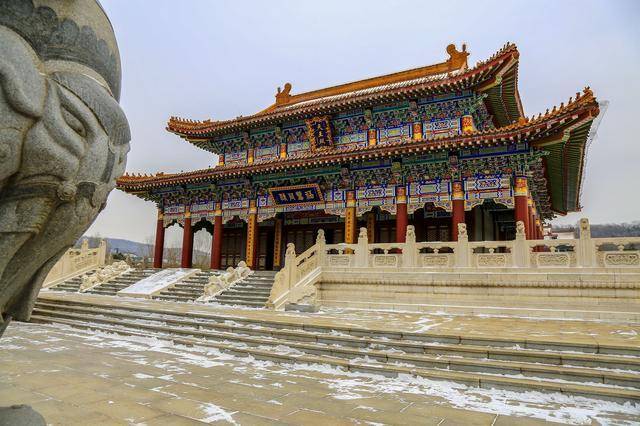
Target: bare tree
(147,252)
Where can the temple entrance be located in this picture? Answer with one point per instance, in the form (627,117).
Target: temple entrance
(491,221)
(202,233)
(266,237)
(431,223)
(301,229)
(234,243)
(172,245)
(385,227)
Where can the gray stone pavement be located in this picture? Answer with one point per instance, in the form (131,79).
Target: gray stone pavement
(79,377)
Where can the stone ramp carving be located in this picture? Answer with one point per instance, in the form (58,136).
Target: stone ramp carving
(114,285)
(156,282)
(188,289)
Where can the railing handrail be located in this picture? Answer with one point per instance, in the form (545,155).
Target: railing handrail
(299,276)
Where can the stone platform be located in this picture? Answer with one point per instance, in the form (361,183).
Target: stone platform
(342,366)
(73,376)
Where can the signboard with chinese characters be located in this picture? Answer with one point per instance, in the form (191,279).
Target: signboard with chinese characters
(319,129)
(297,194)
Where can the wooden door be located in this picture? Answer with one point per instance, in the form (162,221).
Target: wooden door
(233,246)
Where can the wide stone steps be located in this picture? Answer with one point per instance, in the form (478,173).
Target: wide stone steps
(71,285)
(609,372)
(253,291)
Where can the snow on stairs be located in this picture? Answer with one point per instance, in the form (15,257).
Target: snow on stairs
(114,285)
(188,289)
(252,291)
(594,370)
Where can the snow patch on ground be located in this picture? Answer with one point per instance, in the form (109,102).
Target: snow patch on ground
(215,414)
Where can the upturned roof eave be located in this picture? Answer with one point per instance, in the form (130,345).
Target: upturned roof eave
(273,114)
(507,134)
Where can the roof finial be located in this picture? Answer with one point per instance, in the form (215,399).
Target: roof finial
(457,59)
(283,96)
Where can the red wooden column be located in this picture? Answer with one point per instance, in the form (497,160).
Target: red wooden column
(216,241)
(521,195)
(350,219)
(252,235)
(534,223)
(457,208)
(402,218)
(159,247)
(187,241)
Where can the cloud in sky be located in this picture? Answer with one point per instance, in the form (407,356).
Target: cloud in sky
(220,59)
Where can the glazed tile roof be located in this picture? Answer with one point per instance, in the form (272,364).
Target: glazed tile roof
(562,132)
(540,131)
(450,76)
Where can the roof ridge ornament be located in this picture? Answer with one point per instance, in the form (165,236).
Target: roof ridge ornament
(457,59)
(283,96)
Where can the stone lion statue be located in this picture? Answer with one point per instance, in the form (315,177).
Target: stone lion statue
(585,228)
(462,230)
(411,233)
(63,136)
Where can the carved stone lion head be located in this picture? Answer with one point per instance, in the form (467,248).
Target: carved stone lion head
(63,136)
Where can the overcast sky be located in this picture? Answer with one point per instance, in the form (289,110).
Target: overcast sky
(220,59)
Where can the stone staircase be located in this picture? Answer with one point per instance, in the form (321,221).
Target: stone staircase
(71,285)
(114,285)
(188,289)
(252,291)
(610,372)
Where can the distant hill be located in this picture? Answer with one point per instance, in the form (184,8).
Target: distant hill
(119,245)
(605,230)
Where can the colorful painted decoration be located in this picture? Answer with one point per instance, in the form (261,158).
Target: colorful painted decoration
(237,157)
(467,124)
(521,187)
(447,127)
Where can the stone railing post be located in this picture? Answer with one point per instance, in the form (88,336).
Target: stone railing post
(321,249)
(586,249)
(462,247)
(84,246)
(102,253)
(520,247)
(409,251)
(290,265)
(362,251)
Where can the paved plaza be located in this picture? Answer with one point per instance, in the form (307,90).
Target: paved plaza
(75,376)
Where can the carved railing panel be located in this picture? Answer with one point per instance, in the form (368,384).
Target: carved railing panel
(553,259)
(385,260)
(435,260)
(339,260)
